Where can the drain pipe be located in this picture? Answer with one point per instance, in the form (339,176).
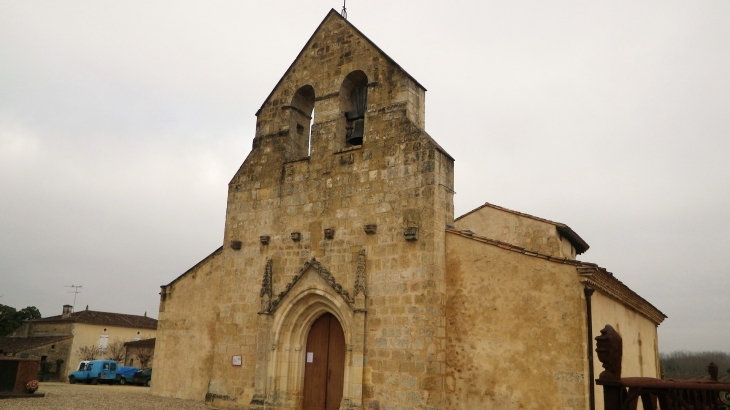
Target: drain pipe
(589,325)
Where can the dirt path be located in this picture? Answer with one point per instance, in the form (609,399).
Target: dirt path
(62,396)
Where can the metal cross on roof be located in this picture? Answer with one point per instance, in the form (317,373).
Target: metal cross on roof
(344,9)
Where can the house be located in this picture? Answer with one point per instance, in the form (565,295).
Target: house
(140,353)
(344,281)
(59,337)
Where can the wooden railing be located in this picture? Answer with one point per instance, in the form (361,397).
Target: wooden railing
(655,394)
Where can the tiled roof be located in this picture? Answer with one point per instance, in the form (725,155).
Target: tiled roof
(580,245)
(595,276)
(93,317)
(21,344)
(141,343)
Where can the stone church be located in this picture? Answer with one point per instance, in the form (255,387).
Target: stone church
(344,281)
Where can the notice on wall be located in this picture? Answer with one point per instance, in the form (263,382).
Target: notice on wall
(310,357)
(236,361)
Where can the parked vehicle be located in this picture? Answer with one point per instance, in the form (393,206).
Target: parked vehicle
(143,377)
(96,371)
(82,365)
(125,374)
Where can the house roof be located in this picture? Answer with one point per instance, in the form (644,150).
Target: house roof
(93,317)
(580,245)
(594,276)
(335,14)
(141,343)
(20,344)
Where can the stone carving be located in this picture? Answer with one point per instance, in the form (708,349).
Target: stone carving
(267,290)
(236,245)
(329,233)
(296,236)
(323,273)
(360,285)
(370,228)
(265,239)
(609,347)
(411,233)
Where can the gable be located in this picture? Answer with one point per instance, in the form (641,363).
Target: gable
(324,28)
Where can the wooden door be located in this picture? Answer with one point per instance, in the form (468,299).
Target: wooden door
(324,369)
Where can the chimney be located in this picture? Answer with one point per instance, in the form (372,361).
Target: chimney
(67,309)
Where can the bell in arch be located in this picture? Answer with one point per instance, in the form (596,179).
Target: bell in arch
(355,128)
(356,117)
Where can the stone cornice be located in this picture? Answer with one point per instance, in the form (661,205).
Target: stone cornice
(594,276)
(606,283)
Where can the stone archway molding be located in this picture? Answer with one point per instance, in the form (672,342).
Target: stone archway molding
(272,305)
(283,331)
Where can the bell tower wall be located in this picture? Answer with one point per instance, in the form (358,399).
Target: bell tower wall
(387,198)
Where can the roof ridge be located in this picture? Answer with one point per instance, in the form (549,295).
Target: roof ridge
(508,246)
(579,243)
(585,269)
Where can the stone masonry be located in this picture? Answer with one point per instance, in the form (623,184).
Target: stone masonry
(344,206)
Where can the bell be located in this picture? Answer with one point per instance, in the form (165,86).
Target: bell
(358,128)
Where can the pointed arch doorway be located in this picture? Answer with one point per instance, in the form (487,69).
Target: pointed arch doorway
(324,369)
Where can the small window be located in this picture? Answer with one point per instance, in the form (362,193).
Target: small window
(103,342)
(114,367)
(53,347)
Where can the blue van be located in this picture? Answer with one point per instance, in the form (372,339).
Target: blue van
(96,371)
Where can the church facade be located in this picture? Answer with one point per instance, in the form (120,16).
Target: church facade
(344,282)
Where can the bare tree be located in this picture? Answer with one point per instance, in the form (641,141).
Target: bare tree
(115,350)
(684,364)
(88,352)
(144,355)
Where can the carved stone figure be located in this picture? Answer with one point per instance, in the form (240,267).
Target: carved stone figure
(609,347)
(267,290)
(411,233)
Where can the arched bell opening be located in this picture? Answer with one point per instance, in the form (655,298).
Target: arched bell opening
(353,105)
(301,115)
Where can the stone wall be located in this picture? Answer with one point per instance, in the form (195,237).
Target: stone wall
(398,180)
(516,229)
(61,328)
(185,331)
(515,330)
(640,341)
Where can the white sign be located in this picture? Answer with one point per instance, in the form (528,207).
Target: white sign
(310,357)
(236,361)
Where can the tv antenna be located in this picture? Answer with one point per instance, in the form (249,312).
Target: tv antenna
(344,9)
(75,292)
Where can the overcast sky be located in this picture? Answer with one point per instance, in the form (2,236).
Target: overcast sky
(121,124)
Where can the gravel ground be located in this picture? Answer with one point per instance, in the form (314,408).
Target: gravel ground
(101,397)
